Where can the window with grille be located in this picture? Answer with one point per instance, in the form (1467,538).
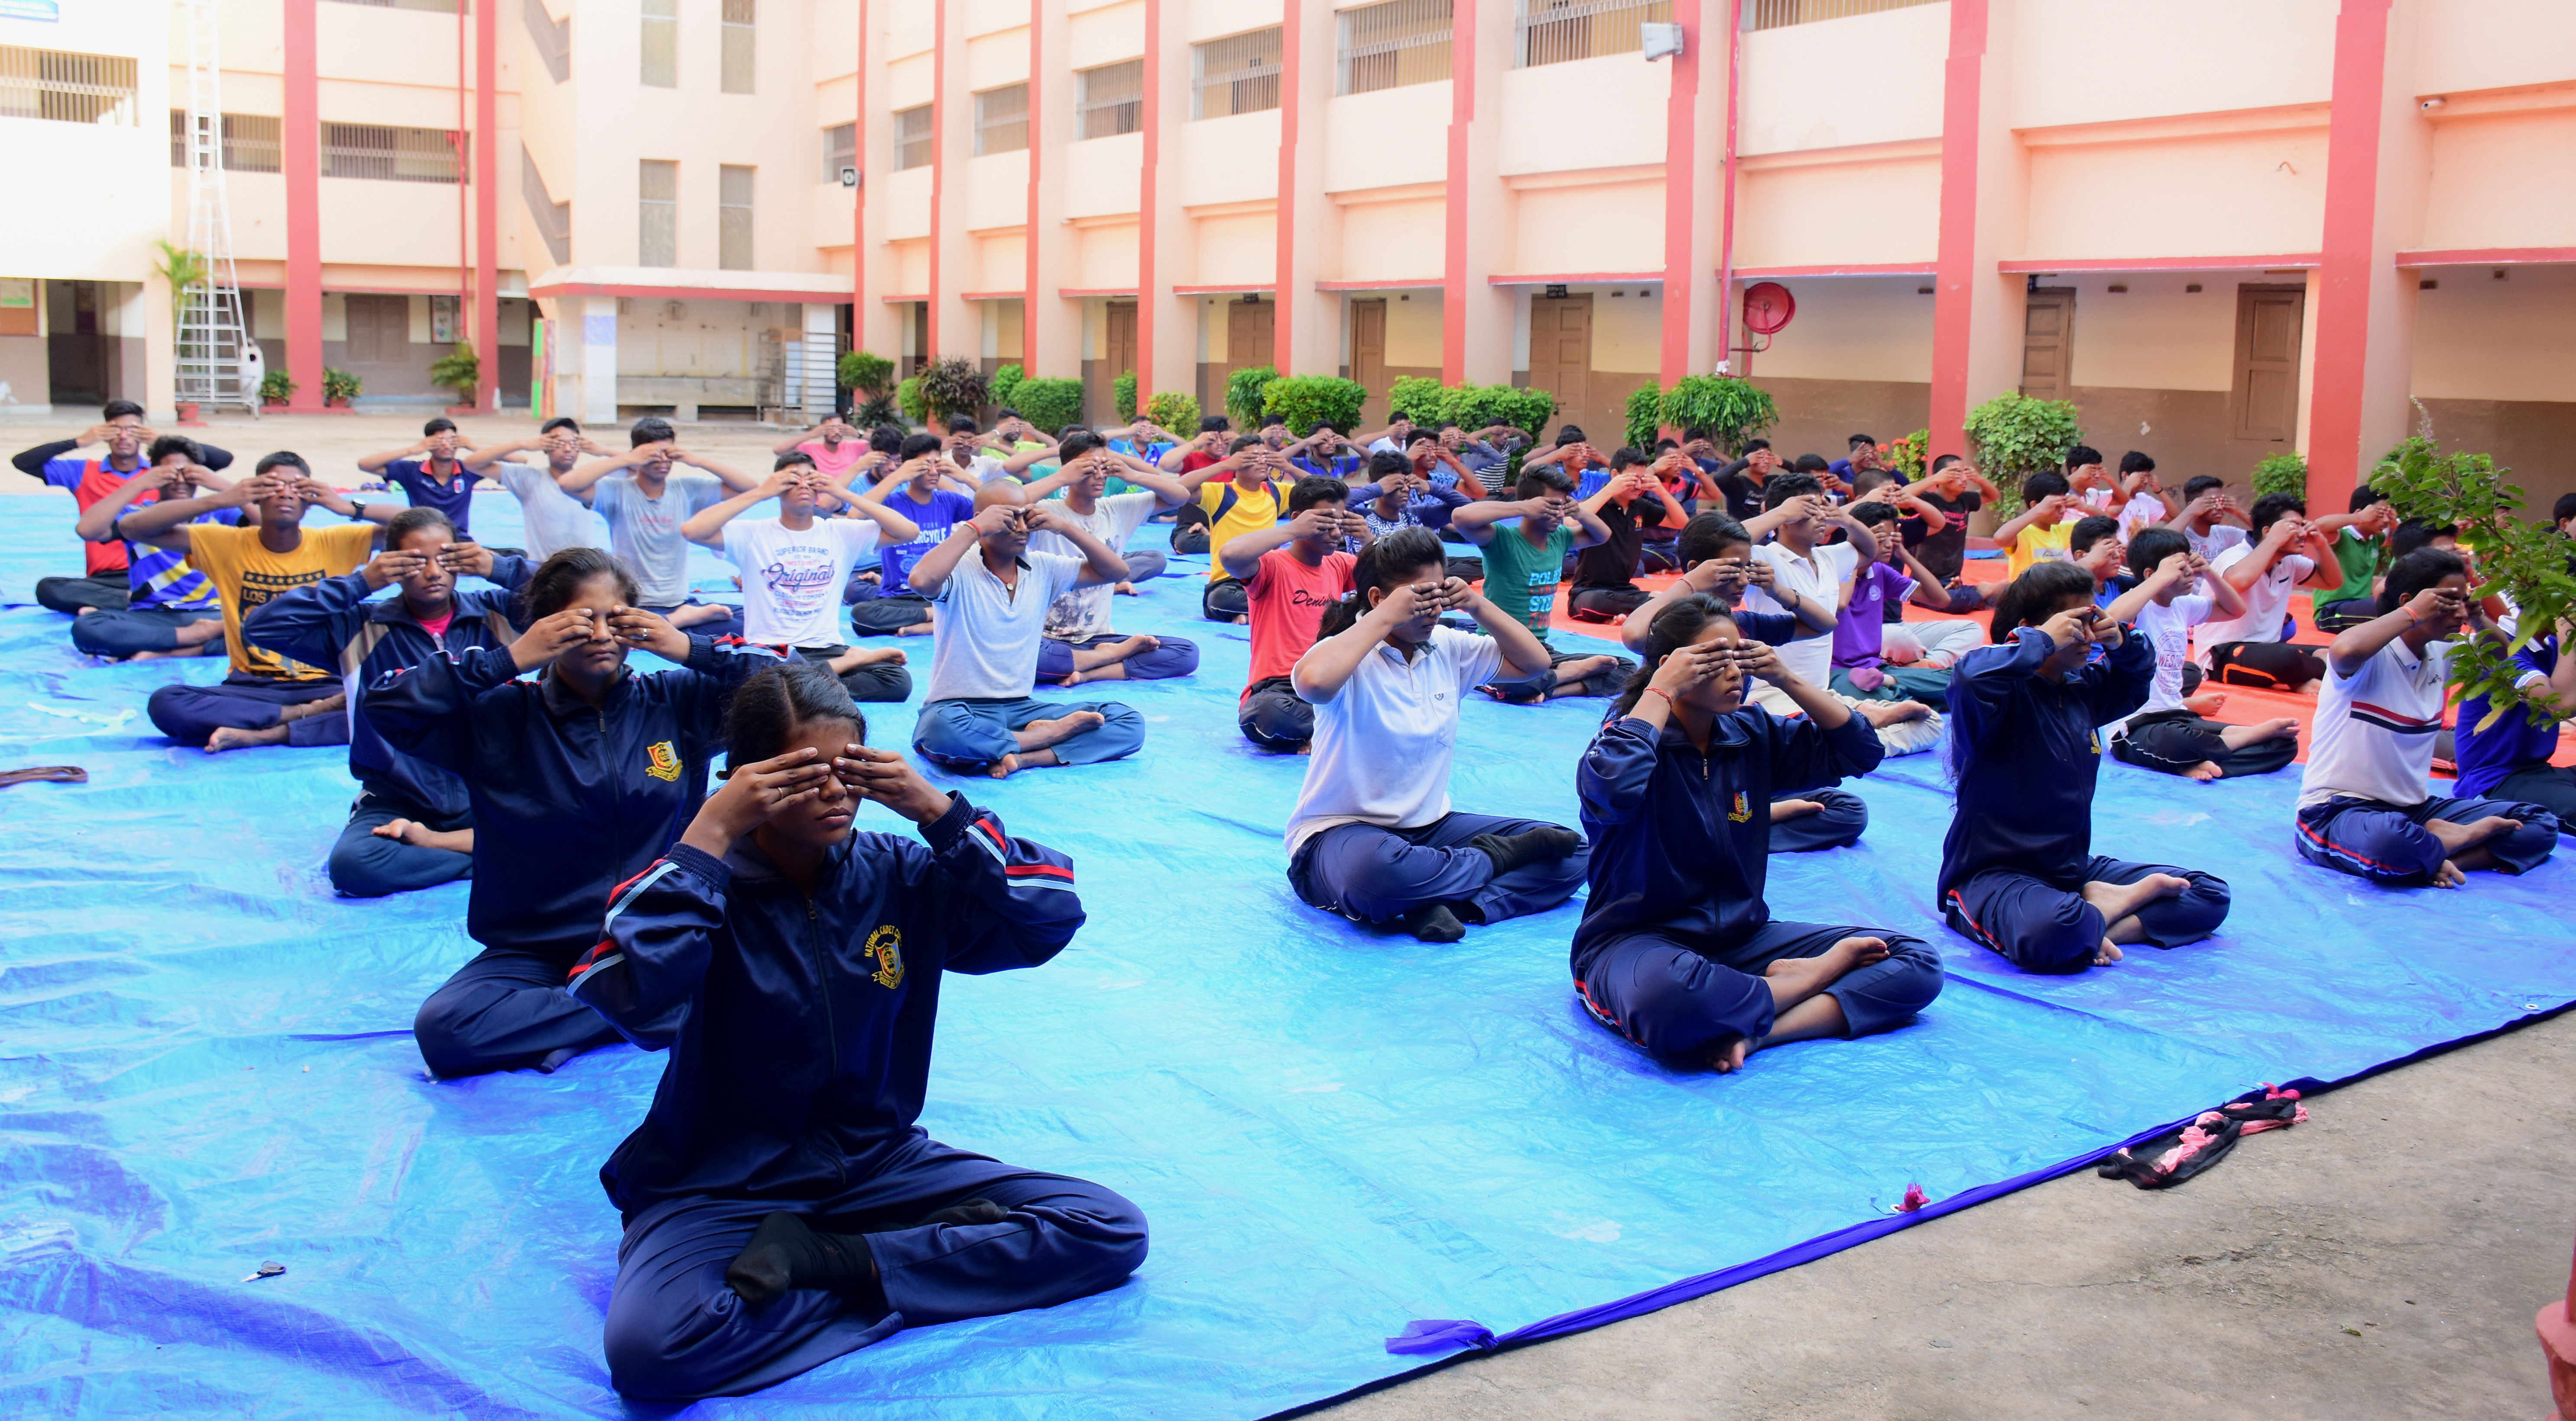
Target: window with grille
(400,155)
(1389,45)
(657,213)
(733,218)
(1556,31)
(1772,14)
(67,88)
(737,45)
(840,150)
(912,138)
(661,44)
(1002,120)
(1109,100)
(249,142)
(1237,74)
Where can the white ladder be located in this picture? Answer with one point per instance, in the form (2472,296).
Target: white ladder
(219,364)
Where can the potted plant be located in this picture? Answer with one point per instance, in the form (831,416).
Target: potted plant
(952,387)
(339,388)
(872,376)
(275,389)
(1245,390)
(1732,410)
(460,370)
(2012,437)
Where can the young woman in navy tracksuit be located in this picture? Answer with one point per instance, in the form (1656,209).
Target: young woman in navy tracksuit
(2018,871)
(577,780)
(1677,951)
(781,1207)
(412,826)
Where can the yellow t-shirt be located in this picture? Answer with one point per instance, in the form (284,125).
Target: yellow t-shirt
(2036,544)
(1256,507)
(248,575)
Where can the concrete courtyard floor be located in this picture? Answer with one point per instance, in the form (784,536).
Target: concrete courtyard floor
(2382,1260)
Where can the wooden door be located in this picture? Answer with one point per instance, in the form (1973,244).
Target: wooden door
(921,352)
(1560,360)
(379,329)
(1249,334)
(2048,344)
(1368,357)
(1119,339)
(2266,392)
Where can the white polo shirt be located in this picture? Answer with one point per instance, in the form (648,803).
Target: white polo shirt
(1382,743)
(988,632)
(2266,602)
(2375,728)
(1819,576)
(1083,613)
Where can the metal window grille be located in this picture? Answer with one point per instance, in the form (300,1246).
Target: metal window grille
(250,142)
(657,211)
(1556,31)
(554,219)
(67,88)
(551,38)
(661,67)
(1002,120)
(1392,44)
(444,7)
(733,218)
(1772,14)
(738,32)
(402,155)
(912,138)
(1109,100)
(840,150)
(1237,74)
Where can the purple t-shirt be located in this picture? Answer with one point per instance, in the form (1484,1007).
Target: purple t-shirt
(938,517)
(1862,627)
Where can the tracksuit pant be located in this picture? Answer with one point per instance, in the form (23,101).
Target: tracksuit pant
(192,714)
(2388,843)
(2174,741)
(367,865)
(731,625)
(2044,928)
(1606,604)
(872,615)
(1177,656)
(676,1331)
(1224,600)
(1274,717)
(108,592)
(876,681)
(118,634)
(1547,684)
(1836,826)
(1372,874)
(2552,787)
(1896,683)
(2268,665)
(507,1009)
(1144,563)
(973,733)
(1677,1001)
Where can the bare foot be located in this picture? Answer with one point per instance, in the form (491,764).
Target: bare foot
(1010,765)
(1727,1056)
(1794,809)
(2205,703)
(394,829)
(1004,767)
(2106,954)
(2204,772)
(1885,713)
(916,629)
(234,738)
(2456,839)
(2118,903)
(2449,876)
(1043,734)
(1124,589)
(1794,979)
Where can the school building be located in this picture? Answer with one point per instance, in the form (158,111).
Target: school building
(2224,229)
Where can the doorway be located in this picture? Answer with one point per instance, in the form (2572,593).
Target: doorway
(1118,344)
(1560,358)
(1368,356)
(76,343)
(1250,328)
(2048,344)
(2265,394)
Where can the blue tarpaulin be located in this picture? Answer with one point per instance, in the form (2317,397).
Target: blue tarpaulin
(205,1064)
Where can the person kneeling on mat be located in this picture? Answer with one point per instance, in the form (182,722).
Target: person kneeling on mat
(1677,950)
(1078,645)
(993,597)
(2363,807)
(575,781)
(412,825)
(2175,593)
(1373,837)
(781,1206)
(2018,871)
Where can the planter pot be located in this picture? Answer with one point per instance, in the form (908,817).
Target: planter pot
(272,404)
(463,409)
(188,412)
(336,402)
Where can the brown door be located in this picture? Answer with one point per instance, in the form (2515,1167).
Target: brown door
(1560,359)
(1248,334)
(2266,394)
(379,329)
(1368,357)
(1120,341)
(2048,345)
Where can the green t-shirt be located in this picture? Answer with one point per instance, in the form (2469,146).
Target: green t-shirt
(2359,559)
(1521,580)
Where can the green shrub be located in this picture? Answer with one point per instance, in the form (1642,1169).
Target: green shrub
(1306,401)
(1427,402)
(952,387)
(1123,395)
(1050,404)
(908,399)
(2282,473)
(1731,410)
(859,370)
(1175,410)
(2013,437)
(1244,391)
(1909,456)
(460,370)
(1645,415)
(340,384)
(275,386)
(878,408)
(1421,399)
(1001,383)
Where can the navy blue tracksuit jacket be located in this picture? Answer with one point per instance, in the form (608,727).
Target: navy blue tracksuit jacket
(569,802)
(800,1028)
(1681,841)
(2027,751)
(332,623)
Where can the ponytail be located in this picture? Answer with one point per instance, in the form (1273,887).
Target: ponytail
(1385,564)
(1675,627)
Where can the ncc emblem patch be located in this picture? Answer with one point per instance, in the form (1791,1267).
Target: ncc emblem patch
(1741,812)
(885,948)
(662,761)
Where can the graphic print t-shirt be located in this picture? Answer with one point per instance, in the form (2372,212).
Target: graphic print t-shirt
(1285,602)
(791,581)
(248,575)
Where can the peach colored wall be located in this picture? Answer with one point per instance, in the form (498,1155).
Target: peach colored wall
(1413,329)
(1837,83)
(2492,44)
(996,59)
(1230,159)
(828,215)
(1853,328)
(2254,194)
(396,48)
(1393,241)
(1622,100)
(908,26)
(1615,227)
(912,268)
(1386,139)
(1108,258)
(707,339)
(909,82)
(984,17)
(2094,61)
(997,191)
(907,204)
(836,100)
(1102,175)
(1810,214)
(1002,260)
(1105,35)
(1204,20)
(2477,338)
(1236,247)
(390,224)
(2155,335)
(1627,328)
(401,105)
(2482,192)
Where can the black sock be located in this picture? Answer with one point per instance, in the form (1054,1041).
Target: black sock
(784,1254)
(1511,851)
(1433,922)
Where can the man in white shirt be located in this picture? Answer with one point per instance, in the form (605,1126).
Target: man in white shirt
(646,495)
(1079,646)
(2205,502)
(1798,517)
(552,519)
(993,596)
(2175,593)
(2364,807)
(2254,649)
(793,567)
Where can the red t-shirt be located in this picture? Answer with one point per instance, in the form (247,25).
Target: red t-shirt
(1288,599)
(438,629)
(97,482)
